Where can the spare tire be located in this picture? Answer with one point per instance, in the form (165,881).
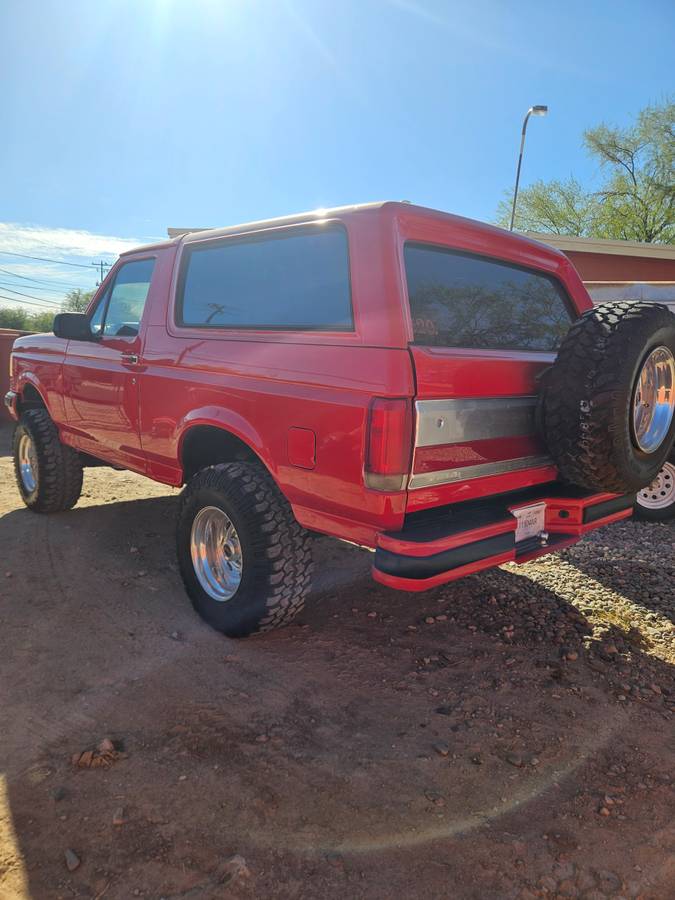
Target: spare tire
(607,403)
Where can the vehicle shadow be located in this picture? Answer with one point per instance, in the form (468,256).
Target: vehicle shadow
(498,670)
(635,560)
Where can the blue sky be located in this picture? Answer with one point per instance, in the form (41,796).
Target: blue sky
(120,118)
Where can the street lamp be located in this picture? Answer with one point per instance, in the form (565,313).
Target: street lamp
(532,111)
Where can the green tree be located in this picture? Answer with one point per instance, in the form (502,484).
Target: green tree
(635,199)
(25,321)
(77,300)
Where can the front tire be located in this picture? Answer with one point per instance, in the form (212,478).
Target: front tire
(48,473)
(244,559)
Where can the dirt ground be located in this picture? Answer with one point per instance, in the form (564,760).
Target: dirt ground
(508,736)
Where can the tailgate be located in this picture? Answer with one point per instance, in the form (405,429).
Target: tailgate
(475,431)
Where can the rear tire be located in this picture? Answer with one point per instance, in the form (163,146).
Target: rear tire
(244,559)
(601,435)
(48,473)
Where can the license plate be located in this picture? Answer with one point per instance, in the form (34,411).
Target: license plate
(530,520)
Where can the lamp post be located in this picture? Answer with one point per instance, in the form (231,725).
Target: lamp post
(532,111)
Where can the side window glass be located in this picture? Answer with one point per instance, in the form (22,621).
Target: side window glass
(127,298)
(296,280)
(96,319)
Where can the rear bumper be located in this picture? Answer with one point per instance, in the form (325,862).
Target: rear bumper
(461,540)
(10,402)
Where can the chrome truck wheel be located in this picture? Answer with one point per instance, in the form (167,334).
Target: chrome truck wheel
(654,400)
(27,462)
(216,553)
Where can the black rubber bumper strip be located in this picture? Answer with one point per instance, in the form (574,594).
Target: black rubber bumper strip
(608,508)
(428,566)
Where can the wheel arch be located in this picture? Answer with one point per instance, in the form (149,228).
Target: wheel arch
(212,436)
(30,394)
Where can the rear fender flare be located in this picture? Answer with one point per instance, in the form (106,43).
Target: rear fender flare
(232,422)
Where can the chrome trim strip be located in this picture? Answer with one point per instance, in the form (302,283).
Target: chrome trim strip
(461,421)
(466,473)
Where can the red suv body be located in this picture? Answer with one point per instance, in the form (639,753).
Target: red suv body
(378,426)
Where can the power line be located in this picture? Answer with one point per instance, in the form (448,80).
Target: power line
(13,284)
(69,284)
(59,262)
(23,302)
(32,297)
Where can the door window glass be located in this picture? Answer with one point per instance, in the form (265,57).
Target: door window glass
(127,298)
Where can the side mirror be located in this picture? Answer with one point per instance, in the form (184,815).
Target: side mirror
(73,327)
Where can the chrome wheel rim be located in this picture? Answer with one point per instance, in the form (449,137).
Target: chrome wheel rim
(27,463)
(654,400)
(661,492)
(216,553)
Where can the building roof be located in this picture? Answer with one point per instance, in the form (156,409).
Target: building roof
(569,244)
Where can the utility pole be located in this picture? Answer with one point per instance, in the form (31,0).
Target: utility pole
(102,267)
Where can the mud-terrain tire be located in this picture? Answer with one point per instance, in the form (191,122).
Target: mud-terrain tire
(656,502)
(258,575)
(587,397)
(48,473)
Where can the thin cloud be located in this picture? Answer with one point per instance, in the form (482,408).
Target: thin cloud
(61,243)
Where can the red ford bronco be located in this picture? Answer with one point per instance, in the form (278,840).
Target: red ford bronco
(435,389)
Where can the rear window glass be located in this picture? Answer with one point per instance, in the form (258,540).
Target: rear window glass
(461,300)
(298,281)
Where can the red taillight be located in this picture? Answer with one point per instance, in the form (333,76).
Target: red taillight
(389,446)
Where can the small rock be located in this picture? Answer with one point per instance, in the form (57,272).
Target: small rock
(372,615)
(175,636)
(119,817)
(106,746)
(430,620)
(233,869)
(655,689)
(133,549)
(609,881)
(442,749)
(515,759)
(572,656)
(262,738)
(182,777)
(8,574)
(603,811)
(73,861)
